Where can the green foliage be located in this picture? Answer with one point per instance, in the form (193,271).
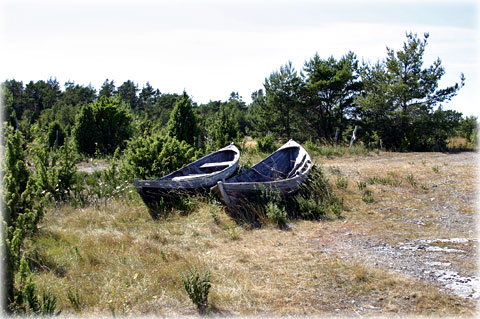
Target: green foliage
(27,301)
(16,175)
(75,300)
(315,198)
(399,100)
(56,135)
(361,185)
(331,87)
(276,214)
(225,128)
(267,144)
(55,171)
(342,182)
(281,110)
(127,93)
(183,123)
(367,196)
(107,89)
(22,212)
(154,156)
(197,288)
(468,129)
(411,180)
(213,211)
(103,125)
(384,181)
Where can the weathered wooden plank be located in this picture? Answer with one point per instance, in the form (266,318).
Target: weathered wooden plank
(215,164)
(284,171)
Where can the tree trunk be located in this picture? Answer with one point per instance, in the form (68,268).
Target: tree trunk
(336,137)
(353,136)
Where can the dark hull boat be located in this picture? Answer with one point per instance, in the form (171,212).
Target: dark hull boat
(283,172)
(202,173)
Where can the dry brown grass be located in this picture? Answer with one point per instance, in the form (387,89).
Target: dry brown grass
(122,262)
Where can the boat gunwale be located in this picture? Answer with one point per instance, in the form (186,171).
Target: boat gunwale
(290,144)
(167,181)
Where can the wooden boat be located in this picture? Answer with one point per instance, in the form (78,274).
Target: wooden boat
(283,172)
(202,173)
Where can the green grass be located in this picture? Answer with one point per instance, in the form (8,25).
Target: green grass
(335,151)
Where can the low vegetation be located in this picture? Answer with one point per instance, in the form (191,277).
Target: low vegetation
(110,258)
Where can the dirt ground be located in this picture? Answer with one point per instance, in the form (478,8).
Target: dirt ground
(425,228)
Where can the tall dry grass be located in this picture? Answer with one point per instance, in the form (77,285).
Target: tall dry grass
(117,260)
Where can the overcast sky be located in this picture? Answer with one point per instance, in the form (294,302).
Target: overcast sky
(211,48)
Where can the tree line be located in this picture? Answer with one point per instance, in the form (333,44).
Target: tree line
(395,103)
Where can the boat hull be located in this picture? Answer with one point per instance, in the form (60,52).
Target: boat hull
(194,177)
(238,189)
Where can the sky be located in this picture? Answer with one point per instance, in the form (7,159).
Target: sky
(212,48)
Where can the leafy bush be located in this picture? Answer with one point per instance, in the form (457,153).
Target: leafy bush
(183,123)
(267,144)
(56,135)
(154,156)
(225,128)
(315,199)
(22,212)
(277,214)
(342,182)
(102,126)
(367,196)
(27,301)
(56,173)
(197,288)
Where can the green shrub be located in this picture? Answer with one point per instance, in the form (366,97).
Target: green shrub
(197,288)
(315,199)
(55,171)
(56,135)
(267,144)
(277,214)
(367,196)
(27,301)
(342,182)
(183,122)
(102,126)
(311,208)
(22,212)
(361,185)
(225,128)
(154,156)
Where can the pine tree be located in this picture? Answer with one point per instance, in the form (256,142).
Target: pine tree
(225,128)
(282,101)
(183,123)
(22,211)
